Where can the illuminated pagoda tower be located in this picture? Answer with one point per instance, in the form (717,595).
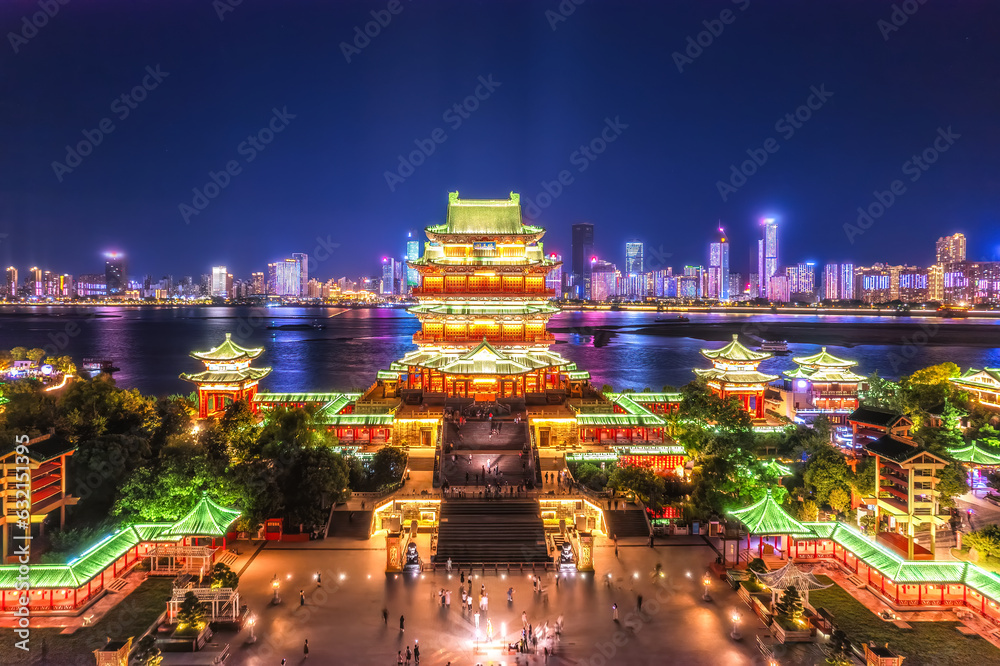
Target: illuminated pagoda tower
(735,374)
(483,308)
(823,384)
(227,377)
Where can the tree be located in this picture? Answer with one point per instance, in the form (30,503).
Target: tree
(146,652)
(985,541)
(809,512)
(839,500)
(19,353)
(951,484)
(223,576)
(789,607)
(868,524)
(191,613)
(388,466)
(647,486)
(36,355)
(840,650)
(826,470)
(863,481)
(882,394)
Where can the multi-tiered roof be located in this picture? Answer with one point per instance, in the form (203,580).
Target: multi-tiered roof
(484,303)
(735,364)
(824,367)
(228,363)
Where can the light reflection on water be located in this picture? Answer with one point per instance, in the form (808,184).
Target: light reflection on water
(151,345)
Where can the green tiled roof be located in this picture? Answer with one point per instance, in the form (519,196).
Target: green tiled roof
(798,373)
(212,377)
(203,520)
(777,468)
(767,518)
(824,358)
(656,397)
(735,351)
(976,454)
(355,419)
(979,378)
(734,377)
(206,519)
(484,216)
(483,359)
(387,374)
(228,351)
(577,375)
(294,398)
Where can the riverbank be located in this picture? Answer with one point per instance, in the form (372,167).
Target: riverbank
(836,334)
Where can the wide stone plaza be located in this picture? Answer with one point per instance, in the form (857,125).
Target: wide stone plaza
(342,618)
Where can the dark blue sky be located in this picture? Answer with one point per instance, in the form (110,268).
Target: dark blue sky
(324,174)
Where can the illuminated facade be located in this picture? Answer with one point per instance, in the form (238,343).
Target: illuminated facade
(821,384)
(735,375)
(983,384)
(227,377)
(483,308)
(718,269)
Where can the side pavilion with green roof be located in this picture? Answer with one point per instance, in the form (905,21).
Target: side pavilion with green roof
(734,374)
(821,384)
(766,519)
(984,384)
(195,540)
(901,583)
(975,457)
(227,377)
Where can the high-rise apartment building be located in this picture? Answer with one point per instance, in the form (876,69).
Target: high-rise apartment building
(258,285)
(285,278)
(805,275)
(12,283)
(831,282)
(950,249)
(847,282)
(388,285)
(603,280)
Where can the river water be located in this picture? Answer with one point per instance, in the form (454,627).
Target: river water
(151,344)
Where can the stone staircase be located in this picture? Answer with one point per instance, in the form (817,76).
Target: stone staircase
(627,523)
(477,531)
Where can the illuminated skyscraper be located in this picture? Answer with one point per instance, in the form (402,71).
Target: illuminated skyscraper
(831,282)
(388,287)
(805,274)
(767,255)
(412,254)
(583,251)
(633,257)
(553,280)
(303,267)
(219,279)
(718,269)
(285,278)
(257,283)
(114,273)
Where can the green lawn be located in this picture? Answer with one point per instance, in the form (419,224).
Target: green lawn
(927,644)
(131,617)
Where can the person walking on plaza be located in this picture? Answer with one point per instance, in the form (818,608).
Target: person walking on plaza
(638,603)
(476,616)
(409,655)
(510,595)
(305,650)
(385,616)
(302,598)
(416,653)
(614,612)
(401,620)
(524,618)
(449,565)
(399,658)
(462,577)
(447,598)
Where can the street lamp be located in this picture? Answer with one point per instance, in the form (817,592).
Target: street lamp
(707,582)
(275,599)
(736,626)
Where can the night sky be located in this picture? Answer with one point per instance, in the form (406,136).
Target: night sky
(550,91)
